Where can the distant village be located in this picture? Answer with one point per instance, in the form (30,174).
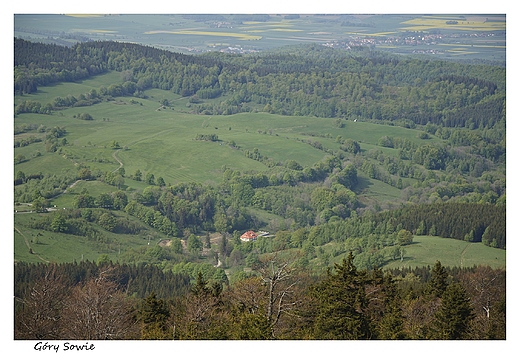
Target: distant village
(401,39)
(405,39)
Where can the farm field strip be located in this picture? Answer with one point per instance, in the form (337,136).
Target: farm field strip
(472,45)
(240,36)
(428,23)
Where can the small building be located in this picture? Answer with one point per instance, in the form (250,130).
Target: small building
(249,236)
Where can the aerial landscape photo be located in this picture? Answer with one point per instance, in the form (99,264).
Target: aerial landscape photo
(234,177)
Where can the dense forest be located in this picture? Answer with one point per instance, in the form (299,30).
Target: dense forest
(306,81)
(451,188)
(279,301)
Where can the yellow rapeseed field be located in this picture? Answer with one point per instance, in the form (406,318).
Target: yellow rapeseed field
(430,23)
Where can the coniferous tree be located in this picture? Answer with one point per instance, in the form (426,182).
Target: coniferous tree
(341,304)
(391,324)
(452,320)
(438,281)
(153,316)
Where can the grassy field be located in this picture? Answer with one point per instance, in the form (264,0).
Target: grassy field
(95,188)
(426,250)
(144,130)
(52,247)
(32,245)
(373,189)
(47,94)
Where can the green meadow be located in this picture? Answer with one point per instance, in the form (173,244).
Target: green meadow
(161,140)
(426,250)
(47,94)
(45,246)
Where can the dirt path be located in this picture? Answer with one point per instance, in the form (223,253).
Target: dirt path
(65,191)
(463,253)
(29,246)
(71,186)
(114,155)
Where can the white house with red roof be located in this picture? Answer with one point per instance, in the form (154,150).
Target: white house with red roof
(249,236)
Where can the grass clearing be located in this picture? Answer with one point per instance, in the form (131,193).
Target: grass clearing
(168,134)
(47,163)
(426,250)
(58,247)
(376,190)
(47,94)
(95,188)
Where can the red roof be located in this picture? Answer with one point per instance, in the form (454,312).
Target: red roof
(248,236)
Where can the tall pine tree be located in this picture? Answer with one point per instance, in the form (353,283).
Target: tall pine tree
(438,281)
(341,304)
(153,315)
(452,320)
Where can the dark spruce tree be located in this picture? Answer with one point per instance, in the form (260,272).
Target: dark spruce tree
(341,304)
(453,319)
(439,280)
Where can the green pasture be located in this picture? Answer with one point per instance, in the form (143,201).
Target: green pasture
(47,163)
(58,247)
(315,129)
(426,250)
(161,140)
(52,247)
(95,188)
(373,189)
(47,94)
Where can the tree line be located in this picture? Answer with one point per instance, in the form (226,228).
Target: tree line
(310,81)
(277,300)
(469,222)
